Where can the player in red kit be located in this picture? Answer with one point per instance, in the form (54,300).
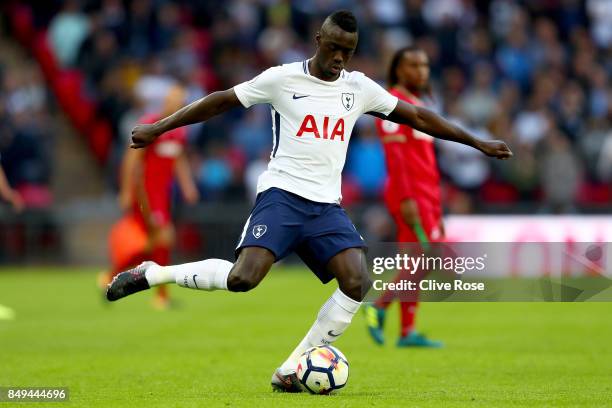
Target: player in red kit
(146,231)
(412,190)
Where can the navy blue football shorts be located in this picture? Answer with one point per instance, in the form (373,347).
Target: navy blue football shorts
(283,222)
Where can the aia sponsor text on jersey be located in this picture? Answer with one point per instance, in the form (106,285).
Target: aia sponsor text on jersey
(320,128)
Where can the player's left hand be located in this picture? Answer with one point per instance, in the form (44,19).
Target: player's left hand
(125,199)
(17,202)
(144,135)
(191,195)
(442,229)
(495,148)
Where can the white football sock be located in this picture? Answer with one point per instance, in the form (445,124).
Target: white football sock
(158,275)
(209,274)
(333,318)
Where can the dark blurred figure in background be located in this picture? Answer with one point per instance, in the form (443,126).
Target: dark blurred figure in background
(561,173)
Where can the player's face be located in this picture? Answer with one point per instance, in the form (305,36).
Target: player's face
(335,49)
(413,69)
(174,100)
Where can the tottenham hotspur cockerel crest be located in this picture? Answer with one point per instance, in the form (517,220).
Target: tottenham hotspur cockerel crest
(259,230)
(348,99)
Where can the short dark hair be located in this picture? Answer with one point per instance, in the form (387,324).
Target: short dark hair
(392,78)
(345,20)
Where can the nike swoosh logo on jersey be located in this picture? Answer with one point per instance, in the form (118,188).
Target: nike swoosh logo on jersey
(331,333)
(300,97)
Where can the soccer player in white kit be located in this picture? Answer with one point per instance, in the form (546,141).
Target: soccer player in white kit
(315,104)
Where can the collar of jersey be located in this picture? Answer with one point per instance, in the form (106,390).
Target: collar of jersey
(307,72)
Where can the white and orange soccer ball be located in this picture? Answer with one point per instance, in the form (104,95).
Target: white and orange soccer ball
(323,369)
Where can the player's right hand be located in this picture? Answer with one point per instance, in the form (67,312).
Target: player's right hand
(495,148)
(143,135)
(410,212)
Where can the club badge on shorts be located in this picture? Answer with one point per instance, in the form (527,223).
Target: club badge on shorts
(259,230)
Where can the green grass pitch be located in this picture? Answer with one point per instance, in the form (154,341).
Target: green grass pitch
(220,349)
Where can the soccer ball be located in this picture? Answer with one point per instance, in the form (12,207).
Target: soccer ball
(323,369)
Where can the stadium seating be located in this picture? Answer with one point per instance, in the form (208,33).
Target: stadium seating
(67,84)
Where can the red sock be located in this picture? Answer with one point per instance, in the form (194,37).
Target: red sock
(407,316)
(161,255)
(389,296)
(385,299)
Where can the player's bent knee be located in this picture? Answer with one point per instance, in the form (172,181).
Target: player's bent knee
(237,282)
(356,287)
(247,273)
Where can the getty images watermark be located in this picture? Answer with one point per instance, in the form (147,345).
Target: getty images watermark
(411,266)
(477,272)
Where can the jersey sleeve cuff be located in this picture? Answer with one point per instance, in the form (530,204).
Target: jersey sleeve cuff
(241,96)
(392,105)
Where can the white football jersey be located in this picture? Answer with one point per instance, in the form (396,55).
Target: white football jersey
(312,121)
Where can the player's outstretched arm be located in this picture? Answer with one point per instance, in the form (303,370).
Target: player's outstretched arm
(433,124)
(198,111)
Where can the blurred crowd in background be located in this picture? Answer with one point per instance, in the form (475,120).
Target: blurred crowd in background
(536,74)
(25,132)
